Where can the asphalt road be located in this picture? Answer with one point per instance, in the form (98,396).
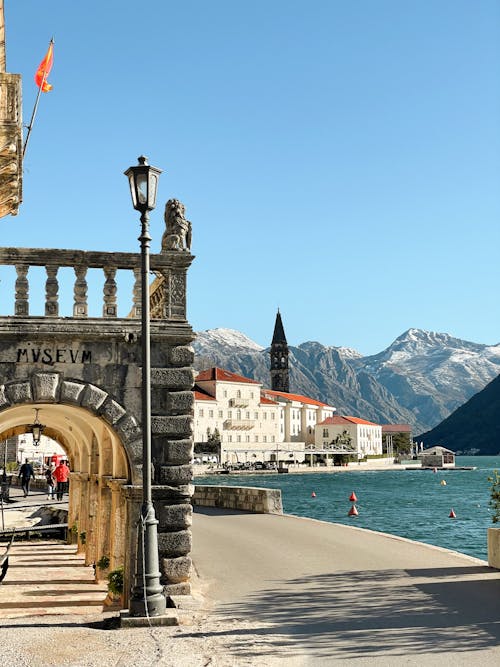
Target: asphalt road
(323,593)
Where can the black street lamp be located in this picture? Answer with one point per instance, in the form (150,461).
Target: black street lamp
(36,429)
(147,595)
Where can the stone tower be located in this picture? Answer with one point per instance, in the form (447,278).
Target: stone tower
(279,358)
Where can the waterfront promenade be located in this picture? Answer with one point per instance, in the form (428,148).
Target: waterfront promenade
(304,592)
(273,590)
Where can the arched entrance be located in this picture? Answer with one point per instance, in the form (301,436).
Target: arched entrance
(101,471)
(84,376)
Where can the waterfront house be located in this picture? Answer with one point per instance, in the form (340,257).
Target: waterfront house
(437,457)
(351,436)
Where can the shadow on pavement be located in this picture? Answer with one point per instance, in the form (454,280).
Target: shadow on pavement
(369,614)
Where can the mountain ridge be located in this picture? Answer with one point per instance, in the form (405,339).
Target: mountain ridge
(420,379)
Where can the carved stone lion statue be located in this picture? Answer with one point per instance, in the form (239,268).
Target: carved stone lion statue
(177,235)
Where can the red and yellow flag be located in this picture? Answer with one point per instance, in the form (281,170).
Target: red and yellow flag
(44,68)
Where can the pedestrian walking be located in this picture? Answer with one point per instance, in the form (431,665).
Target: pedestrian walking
(61,475)
(26,474)
(51,483)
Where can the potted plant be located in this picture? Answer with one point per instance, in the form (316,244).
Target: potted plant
(115,588)
(494,533)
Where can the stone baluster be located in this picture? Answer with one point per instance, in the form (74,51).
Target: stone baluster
(80,308)
(22,307)
(51,292)
(109,308)
(136,294)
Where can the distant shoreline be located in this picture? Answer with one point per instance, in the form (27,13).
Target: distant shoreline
(380,464)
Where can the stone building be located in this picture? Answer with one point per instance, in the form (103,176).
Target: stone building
(83,376)
(349,435)
(253,423)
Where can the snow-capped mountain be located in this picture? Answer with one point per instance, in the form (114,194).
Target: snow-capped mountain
(419,379)
(433,373)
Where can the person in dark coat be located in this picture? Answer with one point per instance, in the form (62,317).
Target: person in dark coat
(26,474)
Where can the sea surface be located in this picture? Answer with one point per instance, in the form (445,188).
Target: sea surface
(410,503)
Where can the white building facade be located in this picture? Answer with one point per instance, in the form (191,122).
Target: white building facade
(349,435)
(253,424)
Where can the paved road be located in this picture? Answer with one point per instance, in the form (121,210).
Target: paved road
(318,593)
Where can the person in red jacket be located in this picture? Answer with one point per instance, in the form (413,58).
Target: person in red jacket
(61,475)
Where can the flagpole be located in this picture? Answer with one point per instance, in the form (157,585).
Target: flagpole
(35,108)
(30,126)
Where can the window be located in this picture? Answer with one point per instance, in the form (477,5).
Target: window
(325,433)
(229,414)
(200,413)
(225,393)
(265,415)
(230,438)
(251,394)
(256,438)
(210,413)
(238,414)
(273,438)
(238,438)
(221,414)
(272,416)
(255,415)
(247,415)
(238,394)
(247,438)
(264,438)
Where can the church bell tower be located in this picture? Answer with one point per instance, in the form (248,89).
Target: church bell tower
(279,358)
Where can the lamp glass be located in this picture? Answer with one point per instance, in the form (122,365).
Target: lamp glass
(142,189)
(36,430)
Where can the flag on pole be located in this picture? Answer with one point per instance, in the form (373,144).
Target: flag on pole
(44,68)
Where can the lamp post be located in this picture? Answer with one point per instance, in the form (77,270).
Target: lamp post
(147,595)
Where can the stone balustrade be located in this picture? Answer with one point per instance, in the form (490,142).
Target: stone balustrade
(247,498)
(167,292)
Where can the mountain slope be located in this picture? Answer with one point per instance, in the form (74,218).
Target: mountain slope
(432,374)
(474,425)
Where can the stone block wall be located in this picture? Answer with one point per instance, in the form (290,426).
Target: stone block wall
(250,499)
(172,403)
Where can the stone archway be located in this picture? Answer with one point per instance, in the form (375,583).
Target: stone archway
(92,428)
(87,372)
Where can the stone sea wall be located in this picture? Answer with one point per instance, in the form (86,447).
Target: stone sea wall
(249,499)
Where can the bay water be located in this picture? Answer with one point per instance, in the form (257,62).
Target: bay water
(409,503)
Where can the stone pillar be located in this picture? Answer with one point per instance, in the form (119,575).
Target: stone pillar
(172,404)
(119,531)
(83,513)
(75,490)
(92,525)
(104,526)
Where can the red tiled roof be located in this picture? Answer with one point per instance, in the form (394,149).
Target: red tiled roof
(337,419)
(295,397)
(201,395)
(267,401)
(221,375)
(396,428)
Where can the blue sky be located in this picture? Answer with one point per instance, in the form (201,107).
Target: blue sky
(338,160)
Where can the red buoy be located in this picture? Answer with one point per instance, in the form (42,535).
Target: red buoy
(313,495)
(353,511)
(452,514)
(353,498)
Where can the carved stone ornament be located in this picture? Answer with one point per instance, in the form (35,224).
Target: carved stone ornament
(177,235)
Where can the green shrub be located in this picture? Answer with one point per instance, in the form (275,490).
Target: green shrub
(103,563)
(115,581)
(495,496)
